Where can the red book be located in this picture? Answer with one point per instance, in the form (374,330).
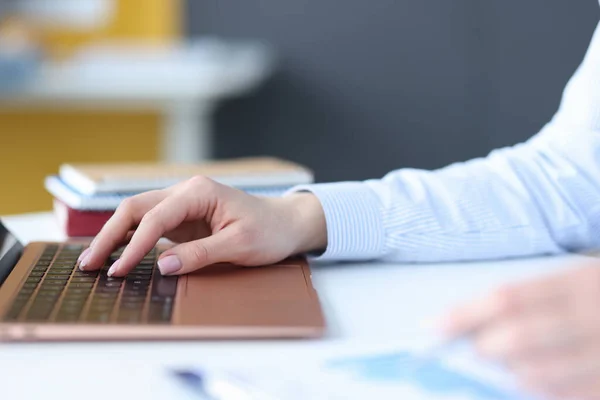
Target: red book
(80,222)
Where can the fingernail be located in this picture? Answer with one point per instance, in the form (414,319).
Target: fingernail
(169,265)
(85,259)
(85,253)
(113,268)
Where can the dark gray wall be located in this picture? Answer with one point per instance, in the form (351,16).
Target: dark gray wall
(368,86)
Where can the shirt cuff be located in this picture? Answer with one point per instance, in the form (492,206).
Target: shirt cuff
(353,216)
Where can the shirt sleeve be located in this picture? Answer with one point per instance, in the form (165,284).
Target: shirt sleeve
(538,197)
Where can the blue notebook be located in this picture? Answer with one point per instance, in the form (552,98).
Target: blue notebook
(110,201)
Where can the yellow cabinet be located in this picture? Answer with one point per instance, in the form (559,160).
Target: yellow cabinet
(34,145)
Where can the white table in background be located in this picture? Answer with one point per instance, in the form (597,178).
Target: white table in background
(184,84)
(365,304)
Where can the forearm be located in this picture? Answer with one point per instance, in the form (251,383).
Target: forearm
(536,198)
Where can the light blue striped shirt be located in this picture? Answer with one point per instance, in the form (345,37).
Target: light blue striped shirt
(539,197)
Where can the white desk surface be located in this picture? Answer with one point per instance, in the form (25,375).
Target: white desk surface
(365,304)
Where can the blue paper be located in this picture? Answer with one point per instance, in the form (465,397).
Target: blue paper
(429,375)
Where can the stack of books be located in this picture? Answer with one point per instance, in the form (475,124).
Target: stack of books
(86,195)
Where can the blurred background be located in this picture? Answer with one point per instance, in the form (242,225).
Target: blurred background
(350,89)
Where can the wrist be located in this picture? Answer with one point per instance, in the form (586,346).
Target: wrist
(308,224)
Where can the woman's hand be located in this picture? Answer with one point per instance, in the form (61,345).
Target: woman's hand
(212,223)
(547,331)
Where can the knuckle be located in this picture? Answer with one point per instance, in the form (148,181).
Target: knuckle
(504,300)
(243,237)
(518,341)
(199,181)
(128,205)
(152,220)
(199,252)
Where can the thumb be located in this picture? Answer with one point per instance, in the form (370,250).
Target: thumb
(191,256)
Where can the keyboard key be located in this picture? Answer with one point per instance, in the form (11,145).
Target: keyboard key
(159,314)
(39,270)
(50,289)
(73,247)
(39,313)
(142,272)
(136,289)
(136,292)
(102,317)
(23,296)
(67,317)
(84,279)
(50,298)
(138,277)
(59,272)
(133,298)
(114,284)
(68,299)
(71,309)
(104,300)
(73,301)
(129,317)
(66,273)
(82,285)
(101,308)
(106,295)
(105,278)
(71,291)
(54,284)
(43,301)
(33,280)
(165,286)
(29,286)
(52,277)
(75,311)
(139,286)
(66,261)
(108,290)
(63,265)
(88,274)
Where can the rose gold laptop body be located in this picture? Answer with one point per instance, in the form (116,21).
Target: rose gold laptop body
(219,302)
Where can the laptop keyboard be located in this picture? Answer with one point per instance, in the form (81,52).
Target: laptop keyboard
(56,291)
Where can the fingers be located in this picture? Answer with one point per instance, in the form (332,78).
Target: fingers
(165,216)
(525,336)
(506,302)
(191,256)
(546,330)
(561,370)
(567,373)
(115,231)
(469,317)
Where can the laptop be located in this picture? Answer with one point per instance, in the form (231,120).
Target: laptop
(45,297)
